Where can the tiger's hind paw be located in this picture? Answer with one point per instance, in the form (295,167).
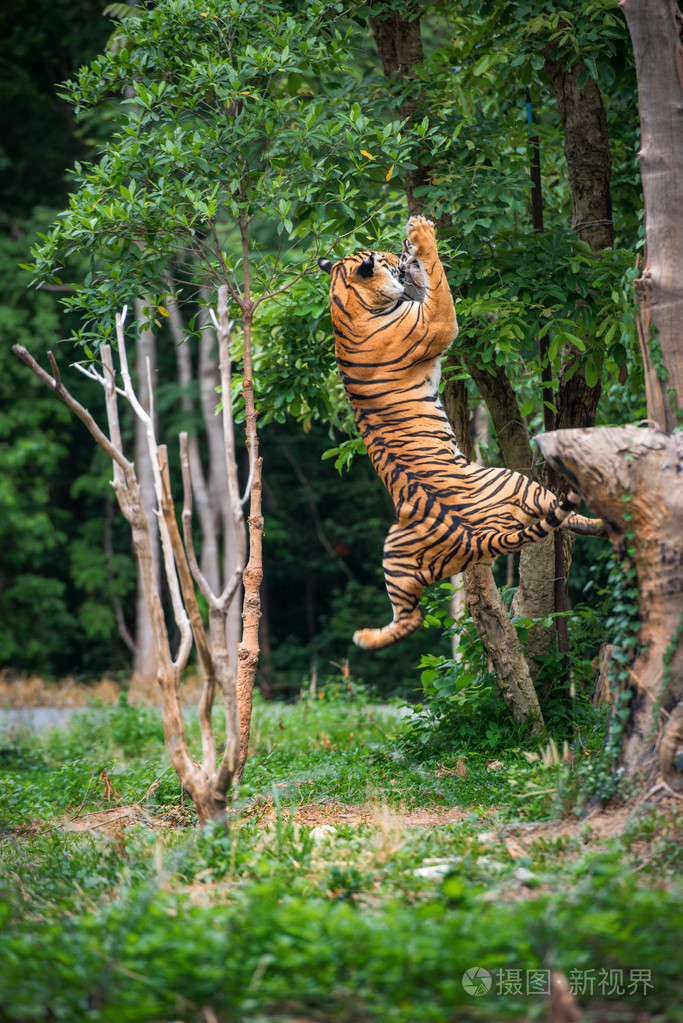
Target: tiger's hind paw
(375,639)
(363,638)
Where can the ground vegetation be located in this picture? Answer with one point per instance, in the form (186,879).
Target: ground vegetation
(361,879)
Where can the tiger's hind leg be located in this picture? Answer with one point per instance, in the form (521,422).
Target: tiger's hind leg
(537,501)
(405,582)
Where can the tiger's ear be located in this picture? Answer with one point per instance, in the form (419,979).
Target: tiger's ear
(326,265)
(367,267)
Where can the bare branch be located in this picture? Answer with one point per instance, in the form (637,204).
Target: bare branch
(207,512)
(205,659)
(150,390)
(55,368)
(205,785)
(223,333)
(197,573)
(179,612)
(64,288)
(124,631)
(75,406)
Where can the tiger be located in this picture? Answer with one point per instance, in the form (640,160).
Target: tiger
(393,317)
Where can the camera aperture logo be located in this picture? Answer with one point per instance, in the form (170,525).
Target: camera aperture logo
(477,981)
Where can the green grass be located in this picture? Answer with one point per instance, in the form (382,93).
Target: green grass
(359,919)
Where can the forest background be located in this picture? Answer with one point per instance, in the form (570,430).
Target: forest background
(537,308)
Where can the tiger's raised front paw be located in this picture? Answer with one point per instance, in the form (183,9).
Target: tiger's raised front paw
(421,235)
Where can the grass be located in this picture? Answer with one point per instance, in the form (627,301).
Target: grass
(328,900)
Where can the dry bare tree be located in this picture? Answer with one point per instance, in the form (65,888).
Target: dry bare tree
(207,782)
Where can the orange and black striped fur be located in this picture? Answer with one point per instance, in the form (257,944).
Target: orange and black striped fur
(393,318)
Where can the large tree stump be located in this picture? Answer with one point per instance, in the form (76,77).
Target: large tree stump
(633,479)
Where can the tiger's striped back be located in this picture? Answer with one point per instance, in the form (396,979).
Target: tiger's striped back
(393,318)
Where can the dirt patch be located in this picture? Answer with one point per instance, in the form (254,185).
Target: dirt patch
(644,844)
(310,815)
(314,814)
(605,824)
(116,817)
(600,827)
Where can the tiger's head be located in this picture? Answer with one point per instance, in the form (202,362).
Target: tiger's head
(374,280)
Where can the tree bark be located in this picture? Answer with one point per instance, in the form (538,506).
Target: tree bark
(501,401)
(655,27)
(535,596)
(589,165)
(631,478)
(586,148)
(248,652)
(544,568)
(399,44)
(249,648)
(454,399)
(502,647)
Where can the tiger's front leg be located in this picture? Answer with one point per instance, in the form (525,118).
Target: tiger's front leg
(437,310)
(405,582)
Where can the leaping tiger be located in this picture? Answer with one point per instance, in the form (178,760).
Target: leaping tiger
(393,319)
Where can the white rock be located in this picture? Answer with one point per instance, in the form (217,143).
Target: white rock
(322,831)
(525,876)
(433,870)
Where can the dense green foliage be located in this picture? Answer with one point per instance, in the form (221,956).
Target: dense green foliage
(223,142)
(363,918)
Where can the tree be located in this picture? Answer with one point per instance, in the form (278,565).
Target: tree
(632,476)
(206,784)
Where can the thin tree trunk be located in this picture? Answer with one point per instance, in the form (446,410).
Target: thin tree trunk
(544,568)
(502,647)
(535,598)
(145,661)
(535,595)
(489,614)
(510,429)
(586,148)
(589,165)
(206,787)
(249,648)
(456,608)
(248,652)
(210,557)
(218,480)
